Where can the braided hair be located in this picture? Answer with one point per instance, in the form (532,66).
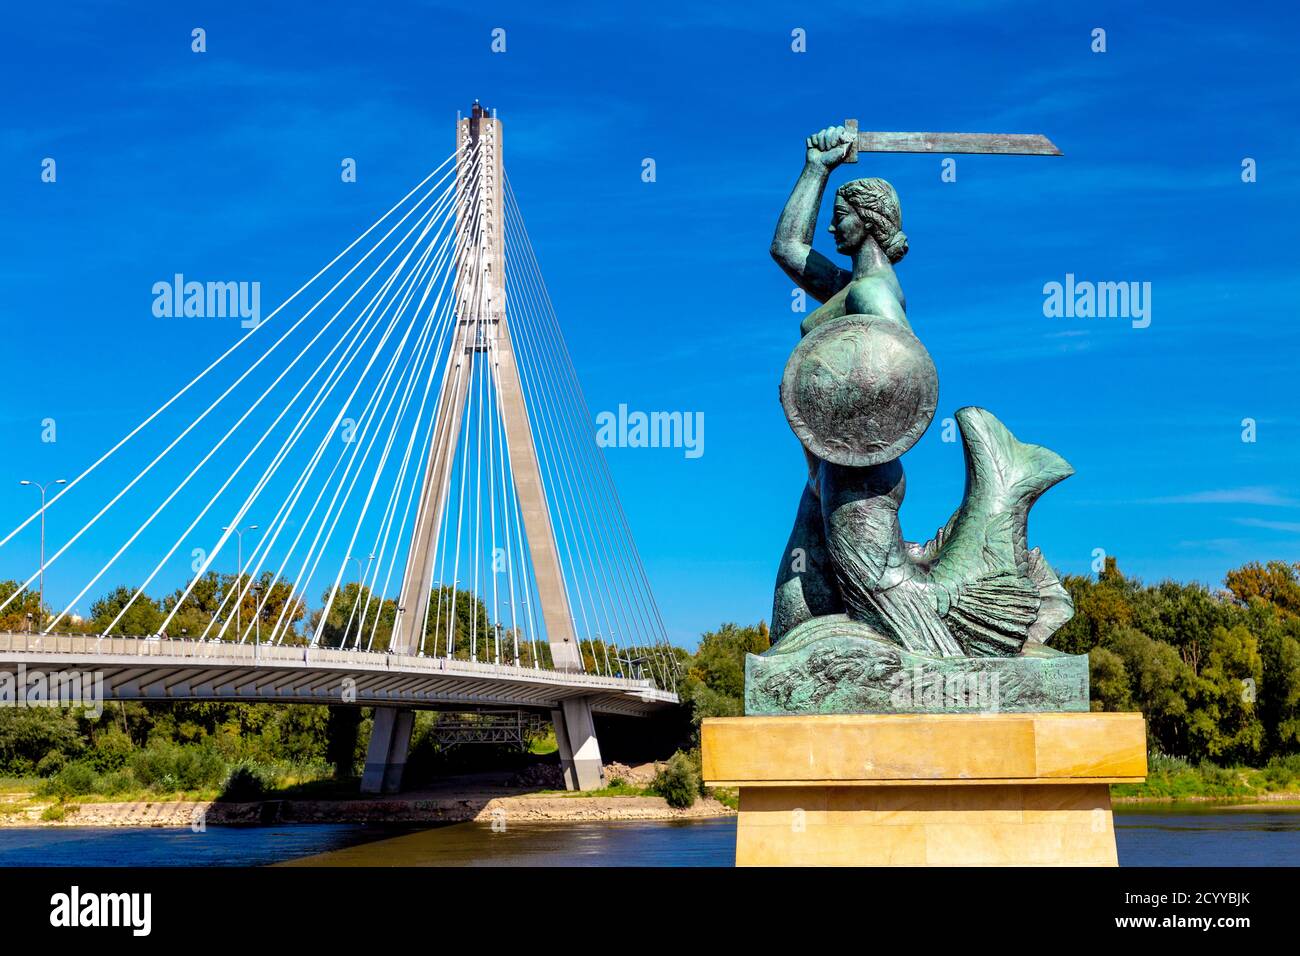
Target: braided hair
(875,201)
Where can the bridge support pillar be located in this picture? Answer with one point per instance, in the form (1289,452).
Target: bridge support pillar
(575,732)
(390,739)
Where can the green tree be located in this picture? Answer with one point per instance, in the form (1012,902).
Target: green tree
(1100,609)
(1161,685)
(1276,583)
(458,620)
(1108,680)
(714,684)
(141,619)
(29,734)
(15,616)
(1183,616)
(1224,722)
(356,615)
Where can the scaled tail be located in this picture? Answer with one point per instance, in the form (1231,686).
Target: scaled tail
(1000,594)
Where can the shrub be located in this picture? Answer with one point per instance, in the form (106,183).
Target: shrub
(246,781)
(165,767)
(1163,763)
(198,767)
(115,784)
(677,781)
(111,750)
(1282,773)
(51,764)
(74,780)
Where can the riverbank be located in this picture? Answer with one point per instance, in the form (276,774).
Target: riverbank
(468,798)
(1249,800)
(1172,780)
(413,808)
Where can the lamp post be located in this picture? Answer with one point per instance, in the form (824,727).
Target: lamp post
(58,481)
(239,574)
(257,619)
(361,577)
(514,629)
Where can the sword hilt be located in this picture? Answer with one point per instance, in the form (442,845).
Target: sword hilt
(851,127)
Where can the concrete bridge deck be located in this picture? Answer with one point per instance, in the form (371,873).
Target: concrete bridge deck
(136,668)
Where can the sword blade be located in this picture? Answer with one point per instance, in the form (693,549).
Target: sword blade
(1007,144)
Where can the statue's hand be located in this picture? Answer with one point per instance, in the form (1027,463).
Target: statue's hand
(828,147)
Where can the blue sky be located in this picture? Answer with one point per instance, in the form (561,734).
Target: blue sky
(226,164)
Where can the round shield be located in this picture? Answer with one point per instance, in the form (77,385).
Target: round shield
(859,390)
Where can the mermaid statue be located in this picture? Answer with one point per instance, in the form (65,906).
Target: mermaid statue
(864,621)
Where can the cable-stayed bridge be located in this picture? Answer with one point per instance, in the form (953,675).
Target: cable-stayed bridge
(399,464)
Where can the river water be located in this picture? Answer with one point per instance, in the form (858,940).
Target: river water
(1182,836)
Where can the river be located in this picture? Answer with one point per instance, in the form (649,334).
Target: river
(1179,836)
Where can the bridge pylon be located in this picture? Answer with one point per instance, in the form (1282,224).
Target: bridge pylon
(482,329)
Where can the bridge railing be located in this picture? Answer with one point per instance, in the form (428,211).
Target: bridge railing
(227,652)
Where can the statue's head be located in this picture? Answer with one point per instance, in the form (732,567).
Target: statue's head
(868,207)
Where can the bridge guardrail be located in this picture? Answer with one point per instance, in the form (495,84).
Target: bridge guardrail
(230,652)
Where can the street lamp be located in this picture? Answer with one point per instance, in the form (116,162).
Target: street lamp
(239,574)
(58,481)
(361,576)
(515,626)
(257,636)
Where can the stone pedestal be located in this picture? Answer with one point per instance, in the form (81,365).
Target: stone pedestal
(925,789)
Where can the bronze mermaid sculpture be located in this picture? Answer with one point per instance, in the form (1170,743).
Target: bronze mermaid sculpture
(859,390)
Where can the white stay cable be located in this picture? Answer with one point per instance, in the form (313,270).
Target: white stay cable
(551,454)
(301,584)
(447,322)
(403,292)
(429,220)
(421,353)
(193,424)
(609,500)
(355,337)
(209,558)
(465,298)
(327,437)
(194,381)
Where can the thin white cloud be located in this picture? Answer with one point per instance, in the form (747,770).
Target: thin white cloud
(1251,495)
(1290,527)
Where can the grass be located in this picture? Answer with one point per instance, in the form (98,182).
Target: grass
(1174,779)
(617,788)
(80,783)
(727,796)
(145,795)
(544,745)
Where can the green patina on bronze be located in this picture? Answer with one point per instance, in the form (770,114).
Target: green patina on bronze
(864,621)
